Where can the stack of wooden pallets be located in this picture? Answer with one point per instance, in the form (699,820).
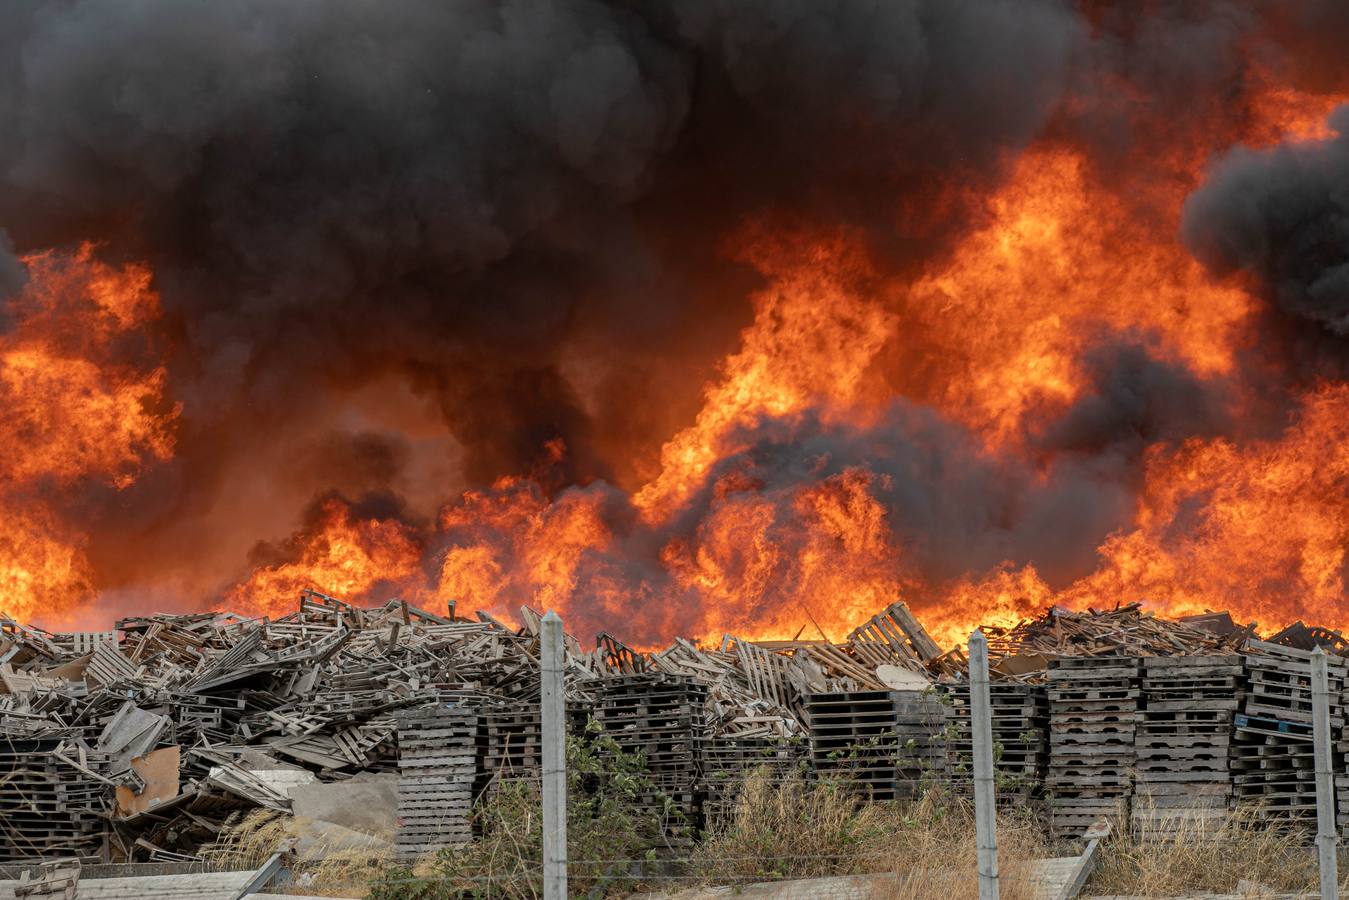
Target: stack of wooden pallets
(921,727)
(890,742)
(662,718)
(48,808)
(438,749)
(1183,782)
(1342,784)
(1020,736)
(1093,715)
(1273,757)
(728,760)
(1279,683)
(512,740)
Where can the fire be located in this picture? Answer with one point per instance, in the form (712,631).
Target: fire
(815,564)
(756,522)
(346,554)
(810,345)
(1061,264)
(1259,529)
(75,409)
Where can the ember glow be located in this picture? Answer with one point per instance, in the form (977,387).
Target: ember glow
(755,352)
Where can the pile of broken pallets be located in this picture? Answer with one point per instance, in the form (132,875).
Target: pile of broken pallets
(144,742)
(140,744)
(1125,630)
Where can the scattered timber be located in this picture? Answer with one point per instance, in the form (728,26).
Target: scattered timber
(142,743)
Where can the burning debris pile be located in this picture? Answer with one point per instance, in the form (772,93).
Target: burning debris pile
(141,743)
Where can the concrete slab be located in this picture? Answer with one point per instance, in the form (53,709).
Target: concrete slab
(199,886)
(366,802)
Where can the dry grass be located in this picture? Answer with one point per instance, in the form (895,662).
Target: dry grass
(936,856)
(322,868)
(1242,849)
(802,829)
(799,829)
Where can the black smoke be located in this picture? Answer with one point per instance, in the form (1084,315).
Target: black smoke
(12,279)
(459,190)
(1281,216)
(1134,400)
(473,196)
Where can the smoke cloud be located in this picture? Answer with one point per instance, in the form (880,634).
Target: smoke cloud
(12,278)
(1282,217)
(521,208)
(459,191)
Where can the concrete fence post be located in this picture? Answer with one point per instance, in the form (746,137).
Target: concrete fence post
(1325,779)
(553,720)
(985,809)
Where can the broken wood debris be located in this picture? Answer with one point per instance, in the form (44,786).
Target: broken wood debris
(141,743)
(1125,630)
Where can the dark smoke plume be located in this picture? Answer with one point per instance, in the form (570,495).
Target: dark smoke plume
(12,278)
(1282,217)
(1135,400)
(459,190)
(473,195)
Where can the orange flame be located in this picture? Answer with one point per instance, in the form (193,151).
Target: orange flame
(71,411)
(995,336)
(1060,262)
(347,556)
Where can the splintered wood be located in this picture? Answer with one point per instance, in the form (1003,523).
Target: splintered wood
(1123,631)
(142,742)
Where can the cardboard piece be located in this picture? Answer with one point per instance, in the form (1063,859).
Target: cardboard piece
(1021,664)
(159,769)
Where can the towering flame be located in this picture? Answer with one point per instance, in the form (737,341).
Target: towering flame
(875,313)
(75,413)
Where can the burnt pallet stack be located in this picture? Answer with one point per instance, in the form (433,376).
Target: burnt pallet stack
(728,761)
(438,750)
(1183,781)
(1273,757)
(662,717)
(1093,716)
(889,742)
(1020,736)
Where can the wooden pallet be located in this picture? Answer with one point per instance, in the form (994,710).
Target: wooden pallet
(48,808)
(1279,684)
(438,751)
(1183,745)
(1094,713)
(727,761)
(663,718)
(889,742)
